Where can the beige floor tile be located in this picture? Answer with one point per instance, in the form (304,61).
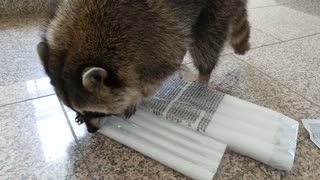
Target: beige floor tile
(19,8)
(234,164)
(254,174)
(22,91)
(310,7)
(295,64)
(265,3)
(18,58)
(283,22)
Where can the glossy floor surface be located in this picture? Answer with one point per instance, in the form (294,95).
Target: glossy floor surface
(40,140)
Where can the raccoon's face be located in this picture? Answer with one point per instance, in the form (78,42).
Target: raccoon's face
(91,86)
(104,56)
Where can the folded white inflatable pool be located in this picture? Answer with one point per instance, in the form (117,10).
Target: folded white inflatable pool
(212,120)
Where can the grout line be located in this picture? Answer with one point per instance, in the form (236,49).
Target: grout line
(30,99)
(68,121)
(226,54)
(269,6)
(75,137)
(315,34)
(285,41)
(258,29)
(275,43)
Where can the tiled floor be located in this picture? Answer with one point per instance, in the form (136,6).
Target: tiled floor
(40,140)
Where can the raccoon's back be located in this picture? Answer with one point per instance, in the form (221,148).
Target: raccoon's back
(150,36)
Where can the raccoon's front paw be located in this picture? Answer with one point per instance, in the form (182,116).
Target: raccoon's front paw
(131,110)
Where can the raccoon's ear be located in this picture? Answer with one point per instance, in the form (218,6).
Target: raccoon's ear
(93,78)
(43,52)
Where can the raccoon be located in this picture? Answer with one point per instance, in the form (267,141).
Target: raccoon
(104,56)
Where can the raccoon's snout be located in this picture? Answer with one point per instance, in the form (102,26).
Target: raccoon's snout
(92,129)
(88,118)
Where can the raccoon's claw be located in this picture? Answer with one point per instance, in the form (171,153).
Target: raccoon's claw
(79,119)
(130,111)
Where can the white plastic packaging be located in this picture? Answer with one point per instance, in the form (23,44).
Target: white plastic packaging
(313,128)
(246,128)
(173,145)
(213,120)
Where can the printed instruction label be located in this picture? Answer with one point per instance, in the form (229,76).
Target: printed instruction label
(185,103)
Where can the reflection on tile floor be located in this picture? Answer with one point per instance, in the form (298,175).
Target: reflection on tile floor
(39,141)
(36,142)
(25,90)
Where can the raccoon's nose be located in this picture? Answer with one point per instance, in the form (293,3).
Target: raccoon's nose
(92,129)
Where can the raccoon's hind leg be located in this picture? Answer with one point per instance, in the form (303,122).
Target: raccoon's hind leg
(240,31)
(209,36)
